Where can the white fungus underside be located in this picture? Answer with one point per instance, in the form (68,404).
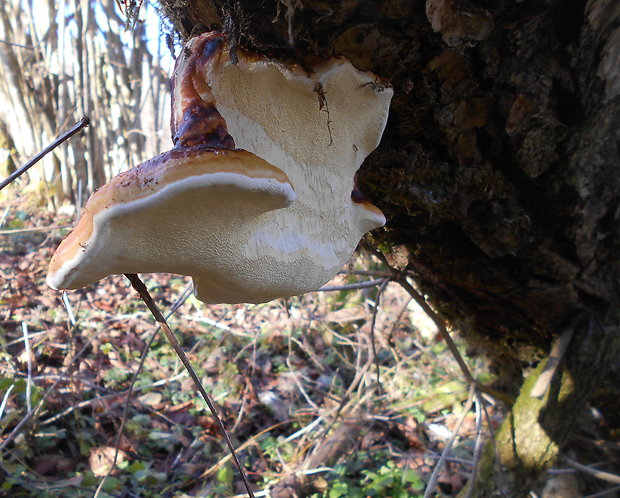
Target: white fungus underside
(247,240)
(225,212)
(322,225)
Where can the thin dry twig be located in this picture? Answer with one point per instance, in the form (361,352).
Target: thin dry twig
(5,399)
(373,322)
(358,285)
(445,335)
(34,229)
(295,378)
(475,388)
(368,273)
(82,123)
(477,447)
(249,442)
(179,302)
(401,278)
(120,394)
(430,488)
(141,289)
(441,326)
(47,393)
(67,304)
(599,474)
(38,486)
(29,367)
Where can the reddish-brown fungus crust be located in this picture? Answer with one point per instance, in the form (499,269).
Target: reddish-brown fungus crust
(201,123)
(358,196)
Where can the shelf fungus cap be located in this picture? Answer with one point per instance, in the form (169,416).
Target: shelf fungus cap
(181,212)
(276,217)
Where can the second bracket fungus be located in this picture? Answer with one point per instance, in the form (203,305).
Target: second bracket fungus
(277,217)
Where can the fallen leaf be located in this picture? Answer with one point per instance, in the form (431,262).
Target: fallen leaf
(101,458)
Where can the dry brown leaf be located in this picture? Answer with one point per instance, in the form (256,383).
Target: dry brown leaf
(101,458)
(347,315)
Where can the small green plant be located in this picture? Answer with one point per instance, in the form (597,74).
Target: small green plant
(384,480)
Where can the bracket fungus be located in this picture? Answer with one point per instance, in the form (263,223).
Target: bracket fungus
(276,217)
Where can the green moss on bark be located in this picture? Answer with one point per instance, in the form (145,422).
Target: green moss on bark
(523,447)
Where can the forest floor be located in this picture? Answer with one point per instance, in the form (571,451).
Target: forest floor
(352,391)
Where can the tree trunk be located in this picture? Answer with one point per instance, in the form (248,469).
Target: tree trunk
(61,62)
(498,171)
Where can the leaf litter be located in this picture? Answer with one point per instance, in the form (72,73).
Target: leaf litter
(289,377)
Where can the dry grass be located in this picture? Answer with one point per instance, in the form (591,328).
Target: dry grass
(309,401)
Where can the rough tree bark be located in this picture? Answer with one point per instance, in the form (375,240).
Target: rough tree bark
(499,173)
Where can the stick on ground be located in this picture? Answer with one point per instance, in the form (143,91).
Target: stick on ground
(139,286)
(82,123)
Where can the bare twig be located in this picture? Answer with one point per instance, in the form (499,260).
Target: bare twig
(179,302)
(435,456)
(84,122)
(34,229)
(368,273)
(67,304)
(475,387)
(120,394)
(5,399)
(5,213)
(38,487)
(599,474)
(20,45)
(325,453)
(295,378)
(477,447)
(372,330)
(47,393)
(401,278)
(430,488)
(441,327)
(119,433)
(358,285)
(249,442)
(139,286)
(29,367)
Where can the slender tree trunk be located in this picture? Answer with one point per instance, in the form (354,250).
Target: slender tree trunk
(58,64)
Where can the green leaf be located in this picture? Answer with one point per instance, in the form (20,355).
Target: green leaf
(136,467)
(225,475)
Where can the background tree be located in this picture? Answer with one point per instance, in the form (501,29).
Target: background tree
(498,173)
(62,60)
